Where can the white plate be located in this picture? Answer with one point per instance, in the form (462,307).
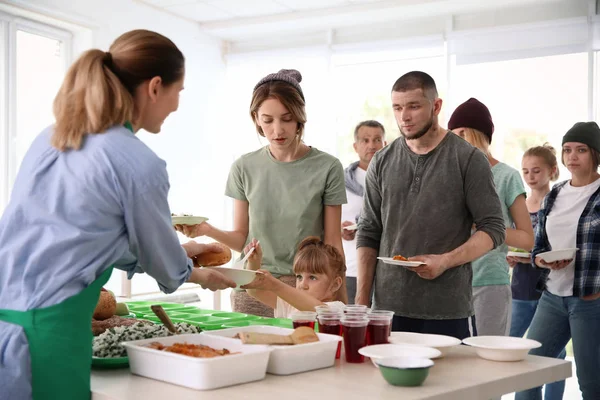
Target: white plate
(352,227)
(378,351)
(441,342)
(239,276)
(286,360)
(391,261)
(188,220)
(557,255)
(405,362)
(501,348)
(199,373)
(518,254)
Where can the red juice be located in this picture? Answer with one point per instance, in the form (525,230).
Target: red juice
(310,324)
(355,337)
(333,328)
(378,332)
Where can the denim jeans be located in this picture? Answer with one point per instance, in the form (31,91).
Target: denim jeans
(558,319)
(522,314)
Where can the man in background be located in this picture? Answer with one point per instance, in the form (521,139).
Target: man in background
(369,137)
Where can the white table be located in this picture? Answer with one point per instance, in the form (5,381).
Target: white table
(462,375)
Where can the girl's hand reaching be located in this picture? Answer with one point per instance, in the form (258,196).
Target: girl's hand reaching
(255,259)
(263,281)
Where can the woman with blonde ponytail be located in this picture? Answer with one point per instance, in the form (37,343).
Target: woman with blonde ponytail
(89,196)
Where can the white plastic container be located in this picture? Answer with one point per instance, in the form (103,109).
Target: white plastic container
(199,373)
(292,359)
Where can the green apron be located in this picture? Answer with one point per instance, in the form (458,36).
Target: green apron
(60,343)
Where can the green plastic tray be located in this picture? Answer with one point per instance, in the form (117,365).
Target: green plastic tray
(150,317)
(231,315)
(110,363)
(282,322)
(279,322)
(237,324)
(195,312)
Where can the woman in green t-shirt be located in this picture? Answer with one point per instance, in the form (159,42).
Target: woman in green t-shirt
(491,283)
(283,192)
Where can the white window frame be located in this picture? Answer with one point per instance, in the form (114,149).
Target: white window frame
(9,25)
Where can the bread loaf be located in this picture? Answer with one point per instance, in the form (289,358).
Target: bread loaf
(210,259)
(106,306)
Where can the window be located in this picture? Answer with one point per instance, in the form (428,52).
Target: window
(35,58)
(532,100)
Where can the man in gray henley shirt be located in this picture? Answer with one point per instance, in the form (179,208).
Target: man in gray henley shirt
(423,193)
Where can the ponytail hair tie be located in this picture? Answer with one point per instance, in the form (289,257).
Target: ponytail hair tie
(107,60)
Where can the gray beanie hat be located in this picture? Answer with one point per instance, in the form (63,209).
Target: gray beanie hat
(584,132)
(291,76)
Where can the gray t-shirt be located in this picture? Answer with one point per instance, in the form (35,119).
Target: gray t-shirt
(286,200)
(426,204)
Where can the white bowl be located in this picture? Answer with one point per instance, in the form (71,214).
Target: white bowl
(379,351)
(405,362)
(239,276)
(501,348)
(286,360)
(557,255)
(249,364)
(518,254)
(440,342)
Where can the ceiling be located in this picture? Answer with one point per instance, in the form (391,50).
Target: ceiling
(226,10)
(244,20)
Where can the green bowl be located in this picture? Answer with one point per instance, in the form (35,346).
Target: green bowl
(404,371)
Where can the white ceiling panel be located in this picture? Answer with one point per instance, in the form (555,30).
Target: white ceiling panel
(244,8)
(313,4)
(167,3)
(200,12)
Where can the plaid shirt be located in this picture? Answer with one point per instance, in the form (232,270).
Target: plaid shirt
(587,261)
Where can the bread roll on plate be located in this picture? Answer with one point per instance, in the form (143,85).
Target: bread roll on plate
(210,259)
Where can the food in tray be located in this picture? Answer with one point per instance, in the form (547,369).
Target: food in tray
(399,258)
(181,215)
(100,326)
(210,259)
(108,344)
(105,315)
(122,309)
(300,335)
(106,306)
(192,350)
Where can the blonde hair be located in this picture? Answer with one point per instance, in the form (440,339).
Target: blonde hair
(478,139)
(99,88)
(547,153)
(287,94)
(316,257)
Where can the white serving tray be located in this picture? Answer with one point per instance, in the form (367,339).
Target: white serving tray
(293,359)
(199,373)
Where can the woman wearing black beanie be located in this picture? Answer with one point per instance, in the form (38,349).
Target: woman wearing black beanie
(569,218)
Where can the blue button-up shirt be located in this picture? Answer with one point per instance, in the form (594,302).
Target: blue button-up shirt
(73,214)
